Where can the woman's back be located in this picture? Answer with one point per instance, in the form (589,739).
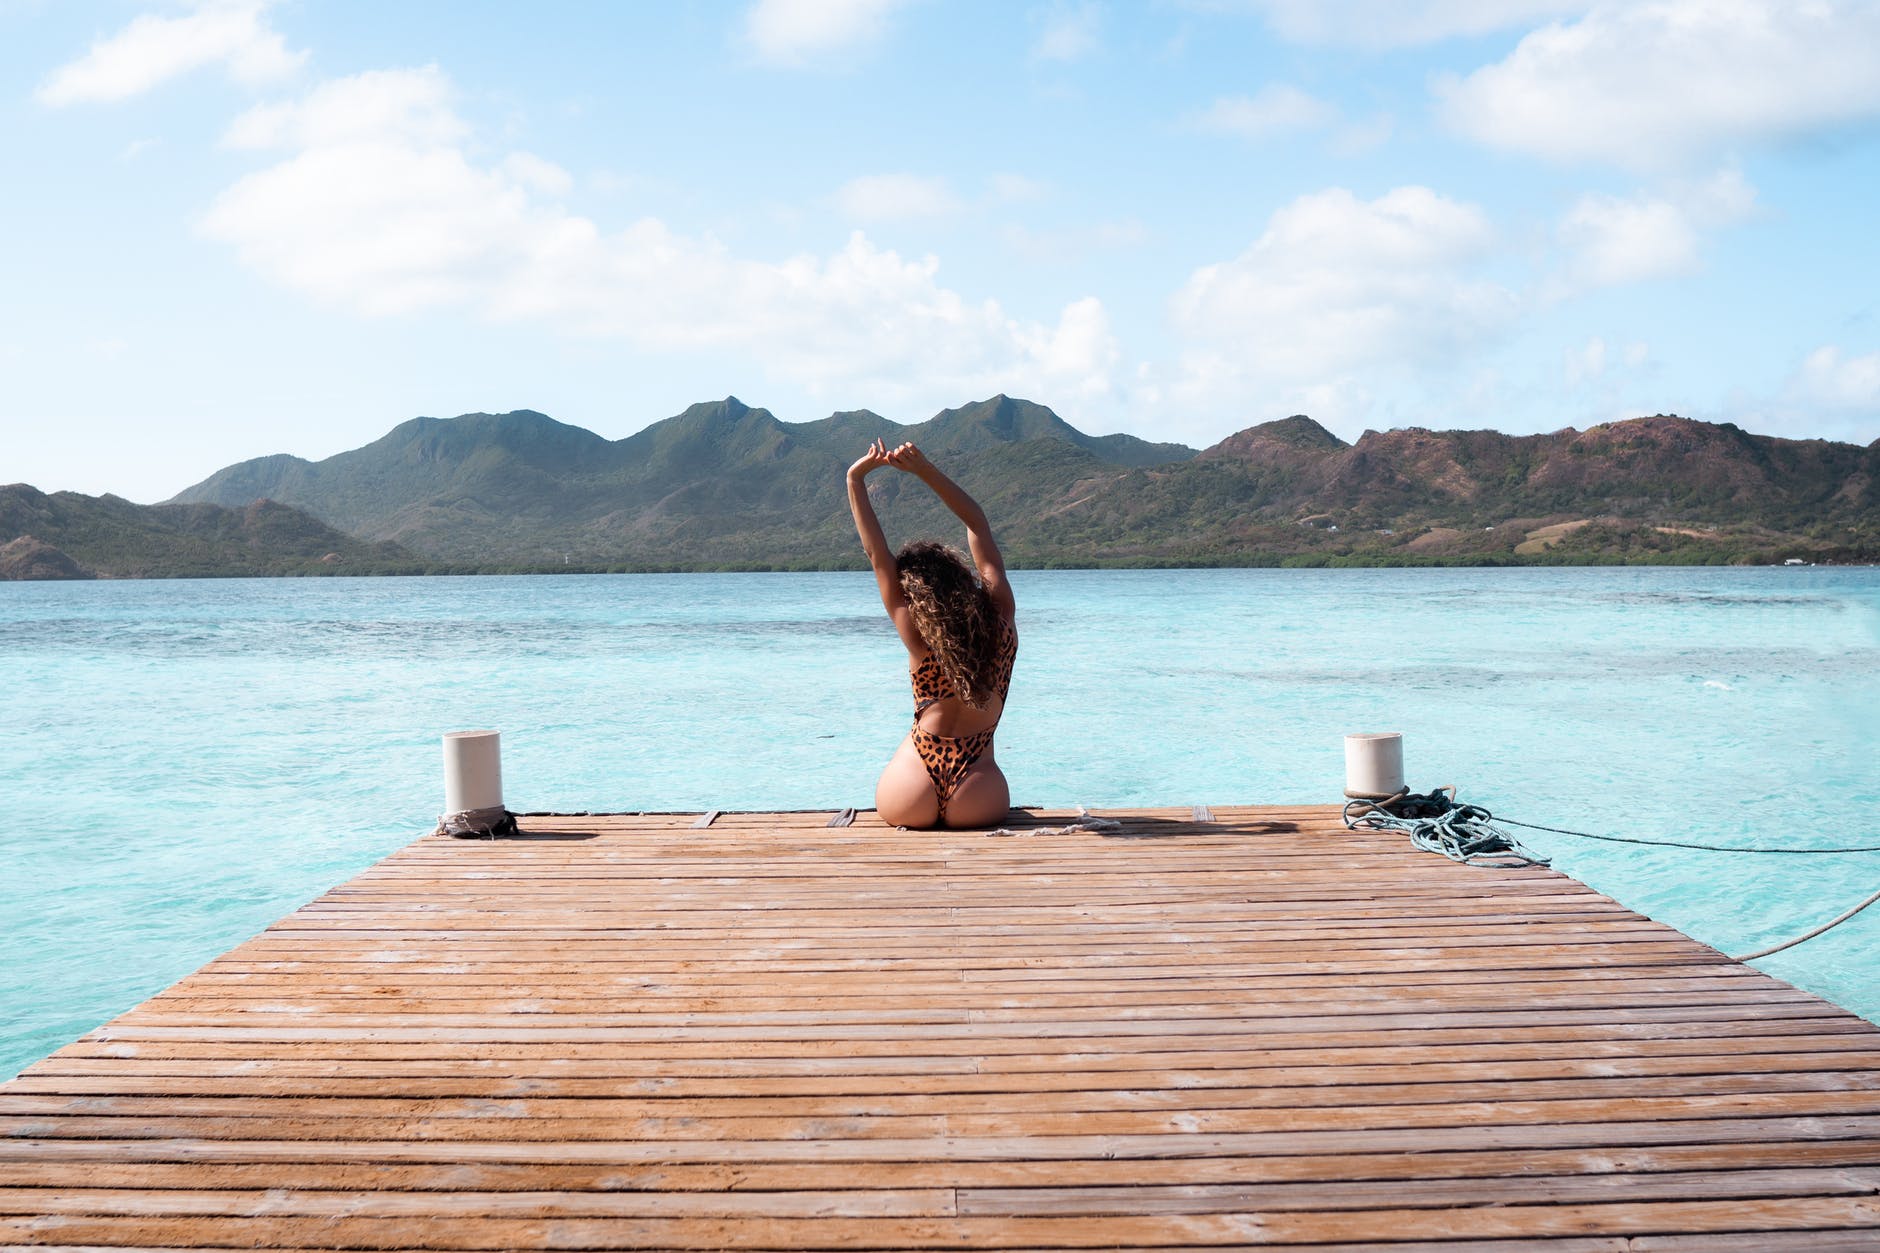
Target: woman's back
(939,709)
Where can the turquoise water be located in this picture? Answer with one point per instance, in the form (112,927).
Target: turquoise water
(186,761)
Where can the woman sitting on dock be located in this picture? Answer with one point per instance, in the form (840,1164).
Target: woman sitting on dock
(961,641)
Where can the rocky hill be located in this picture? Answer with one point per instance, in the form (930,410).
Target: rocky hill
(723,485)
(29,557)
(66,535)
(720,484)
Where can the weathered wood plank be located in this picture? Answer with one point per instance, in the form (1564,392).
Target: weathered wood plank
(1034,1175)
(1110,1231)
(136,1076)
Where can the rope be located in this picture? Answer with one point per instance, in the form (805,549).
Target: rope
(1436,823)
(1709,848)
(1085,821)
(1728,848)
(1831,923)
(477,824)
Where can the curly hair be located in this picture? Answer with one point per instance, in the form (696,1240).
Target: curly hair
(955,616)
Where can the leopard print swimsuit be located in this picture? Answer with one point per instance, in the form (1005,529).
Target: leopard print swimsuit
(948,758)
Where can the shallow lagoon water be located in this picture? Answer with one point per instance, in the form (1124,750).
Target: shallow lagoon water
(186,761)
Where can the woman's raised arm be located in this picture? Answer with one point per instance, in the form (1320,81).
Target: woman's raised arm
(987,558)
(875,545)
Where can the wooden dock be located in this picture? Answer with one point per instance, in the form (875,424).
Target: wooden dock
(632,1032)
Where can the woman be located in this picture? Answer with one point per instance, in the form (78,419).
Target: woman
(960,641)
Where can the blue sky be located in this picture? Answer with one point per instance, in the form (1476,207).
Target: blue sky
(237,227)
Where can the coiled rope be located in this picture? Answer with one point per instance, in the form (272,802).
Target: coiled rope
(494,823)
(1436,823)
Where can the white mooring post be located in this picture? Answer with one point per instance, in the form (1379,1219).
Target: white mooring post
(1373,765)
(473,772)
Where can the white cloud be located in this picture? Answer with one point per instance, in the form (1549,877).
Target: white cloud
(1071,33)
(411,107)
(1588,363)
(1723,199)
(1276,109)
(1075,242)
(1831,378)
(1618,240)
(376,202)
(1280,108)
(1354,139)
(1401,23)
(794,32)
(1335,282)
(895,197)
(538,175)
(1830,394)
(1592,361)
(152,50)
(1660,84)
(1337,293)
(1612,240)
(1018,188)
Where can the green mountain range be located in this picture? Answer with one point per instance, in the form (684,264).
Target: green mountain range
(723,485)
(720,484)
(66,535)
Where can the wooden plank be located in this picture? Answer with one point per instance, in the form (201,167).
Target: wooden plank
(1029,1175)
(635,1121)
(1222,1198)
(1035,1093)
(137,1077)
(1110,1231)
(870,1152)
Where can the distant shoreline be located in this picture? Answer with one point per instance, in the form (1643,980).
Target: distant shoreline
(1329,564)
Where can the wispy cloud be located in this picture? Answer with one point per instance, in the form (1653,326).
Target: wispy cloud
(1018,188)
(799,32)
(1074,242)
(153,49)
(1071,32)
(895,197)
(1276,109)
(1280,109)
(1602,367)
(1830,393)
(1829,376)
(1379,24)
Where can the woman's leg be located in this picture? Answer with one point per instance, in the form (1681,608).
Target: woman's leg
(982,799)
(905,796)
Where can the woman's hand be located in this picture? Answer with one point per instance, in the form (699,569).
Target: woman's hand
(876,457)
(911,459)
